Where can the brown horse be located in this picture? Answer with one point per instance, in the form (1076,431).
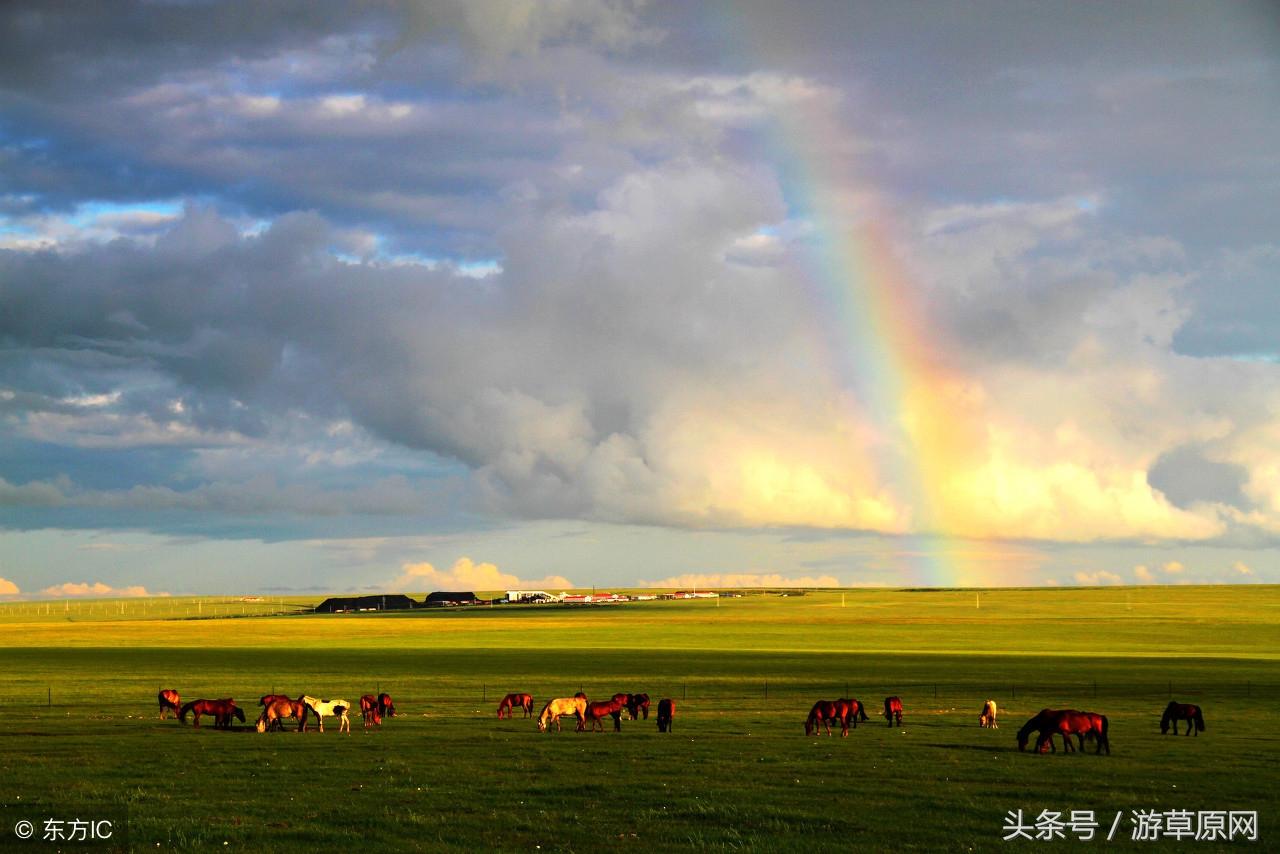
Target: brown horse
(266,700)
(987,717)
(1065,722)
(893,710)
(848,711)
(821,715)
(666,712)
(511,702)
(222,711)
(1188,712)
(169,702)
(551,712)
(276,710)
(596,712)
(370,711)
(638,704)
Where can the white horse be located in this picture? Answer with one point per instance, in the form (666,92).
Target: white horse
(988,716)
(329,707)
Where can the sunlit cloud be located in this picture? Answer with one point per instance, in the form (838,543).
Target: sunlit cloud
(1097,578)
(466,574)
(97,590)
(8,588)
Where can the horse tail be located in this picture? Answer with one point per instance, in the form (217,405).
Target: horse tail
(182,715)
(862,710)
(1199,720)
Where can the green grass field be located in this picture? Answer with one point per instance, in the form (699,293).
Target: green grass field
(78,720)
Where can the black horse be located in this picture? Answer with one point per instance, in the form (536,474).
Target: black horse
(1176,711)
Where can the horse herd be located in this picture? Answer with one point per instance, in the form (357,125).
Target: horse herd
(847,712)
(587,713)
(276,708)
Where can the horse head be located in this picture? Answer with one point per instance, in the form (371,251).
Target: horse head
(261,725)
(238,712)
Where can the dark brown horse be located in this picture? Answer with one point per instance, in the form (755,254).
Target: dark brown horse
(823,713)
(511,702)
(1065,722)
(666,712)
(169,702)
(1188,712)
(274,712)
(596,712)
(638,704)
(893,710)
(386,707)
(222,711)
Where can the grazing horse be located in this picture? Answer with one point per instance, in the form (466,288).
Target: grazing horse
(1065,722)
(1188,712)
(222,711)
(893,710)
(849,711)
(275,711)
(551,712)
(321,708)
(596,712)
(987,718)
(169,702)
(638,704)
(369,710)
(266,700)
(666,711)
(513,701)
(822,714)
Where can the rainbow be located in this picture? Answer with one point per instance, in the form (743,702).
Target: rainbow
(881,345)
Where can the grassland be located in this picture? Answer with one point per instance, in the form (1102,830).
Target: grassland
(77,720)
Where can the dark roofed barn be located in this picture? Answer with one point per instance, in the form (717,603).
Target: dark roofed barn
(378,602)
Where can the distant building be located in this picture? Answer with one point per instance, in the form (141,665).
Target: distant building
(531,596)
(695,594)
(450,597)
(378,602)
(593,598)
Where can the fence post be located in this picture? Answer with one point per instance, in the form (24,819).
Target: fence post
(1095,689)
(935,690)
(766,689)
(684,691)
(50,690)
(1015,691)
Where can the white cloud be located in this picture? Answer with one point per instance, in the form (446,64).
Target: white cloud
(1099,578)
(466,574)
(72,589)
(1143,574)
(695,579)
(8,588)
(1173,567)
(1241,568)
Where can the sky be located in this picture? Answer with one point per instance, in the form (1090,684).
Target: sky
(322,296)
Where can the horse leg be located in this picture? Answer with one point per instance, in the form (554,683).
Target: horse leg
(1190,726)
